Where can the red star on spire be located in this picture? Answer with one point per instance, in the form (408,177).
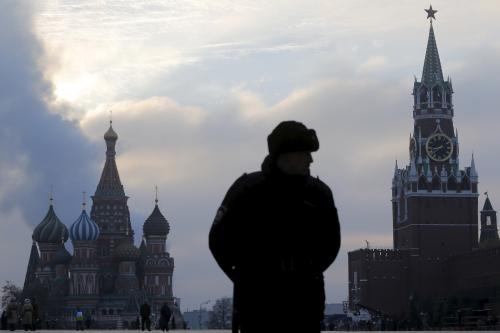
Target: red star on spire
(431,12)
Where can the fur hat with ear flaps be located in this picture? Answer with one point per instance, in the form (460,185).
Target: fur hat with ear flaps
(291,136)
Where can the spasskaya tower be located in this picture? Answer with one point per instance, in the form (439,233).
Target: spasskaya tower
(434,201)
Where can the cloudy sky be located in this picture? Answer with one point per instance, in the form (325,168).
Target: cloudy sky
(196,86)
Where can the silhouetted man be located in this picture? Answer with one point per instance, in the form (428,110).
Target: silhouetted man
(275,234)
(145,313)
(165,315)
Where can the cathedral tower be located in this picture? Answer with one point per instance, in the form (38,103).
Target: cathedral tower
(434,202)
(50,235)
(110,212)
(157,264)
(84,267)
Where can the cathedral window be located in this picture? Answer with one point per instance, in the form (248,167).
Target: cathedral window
(488,220)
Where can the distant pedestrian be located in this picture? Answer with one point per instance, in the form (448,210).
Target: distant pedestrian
(145,316)
(165,315)
(275,234)
(88,320)
(3,322)
(27,315)
(12,314)
(36,316)
(79,319)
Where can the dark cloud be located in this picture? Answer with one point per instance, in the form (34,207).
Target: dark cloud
(38,149)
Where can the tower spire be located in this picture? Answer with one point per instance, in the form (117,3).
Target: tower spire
(51,195)
(432,72)
(473,171)
(156,195)
(110,184)
(84,200)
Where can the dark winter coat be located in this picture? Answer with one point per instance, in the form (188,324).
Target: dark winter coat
(27,312)
(165,312)
(165,315)
(12,313)
(145,310)
(274,236)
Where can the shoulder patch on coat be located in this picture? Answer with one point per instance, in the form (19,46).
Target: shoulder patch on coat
(220,214)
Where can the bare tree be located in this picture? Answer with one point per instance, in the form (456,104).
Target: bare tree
(221,315)
(10,291)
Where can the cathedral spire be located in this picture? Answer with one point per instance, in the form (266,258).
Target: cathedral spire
(32,266)
(432,72)
(110,185)
(156,195)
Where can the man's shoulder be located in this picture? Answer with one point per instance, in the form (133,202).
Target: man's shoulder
(319,185)
(245,184)
(249,180)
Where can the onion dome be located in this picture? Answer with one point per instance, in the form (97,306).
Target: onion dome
(156,224)
(51,229)
(110,134)
(62,257)
(126,252)
(83,229)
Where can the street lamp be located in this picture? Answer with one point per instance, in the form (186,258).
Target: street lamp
(199,312)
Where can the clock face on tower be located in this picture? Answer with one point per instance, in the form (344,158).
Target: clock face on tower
(439,147)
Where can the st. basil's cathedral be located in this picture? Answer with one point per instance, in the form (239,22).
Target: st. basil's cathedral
(107,276)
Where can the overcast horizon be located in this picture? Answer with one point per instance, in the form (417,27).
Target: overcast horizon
(195,88)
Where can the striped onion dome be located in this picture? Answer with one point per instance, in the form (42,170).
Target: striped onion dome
(51,229)
(84,229)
